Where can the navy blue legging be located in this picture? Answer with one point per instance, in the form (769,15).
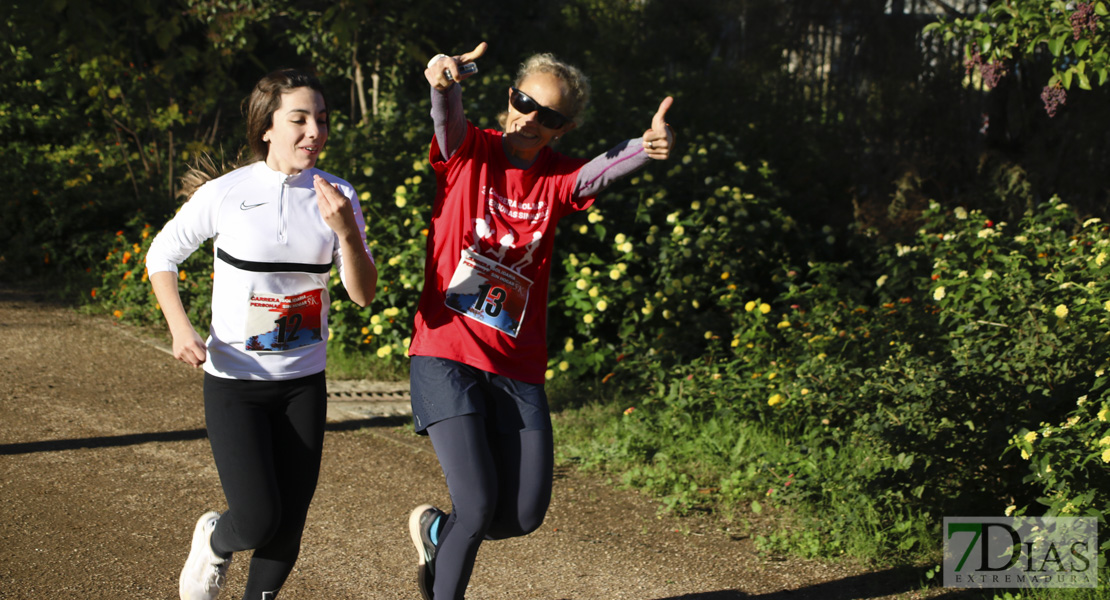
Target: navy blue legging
(267,439)
(500,485)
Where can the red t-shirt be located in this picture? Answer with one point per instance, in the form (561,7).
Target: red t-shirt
(507,216)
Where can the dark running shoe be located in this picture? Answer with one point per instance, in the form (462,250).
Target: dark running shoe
(421,521)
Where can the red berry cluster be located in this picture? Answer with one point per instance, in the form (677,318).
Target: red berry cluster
(1053,97)
(990,70)
(1083,19)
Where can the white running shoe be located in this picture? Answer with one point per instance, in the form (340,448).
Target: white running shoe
(204,572)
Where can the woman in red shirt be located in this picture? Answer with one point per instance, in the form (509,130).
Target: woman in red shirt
(479,345)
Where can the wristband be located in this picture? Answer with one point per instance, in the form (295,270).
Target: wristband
(435,58)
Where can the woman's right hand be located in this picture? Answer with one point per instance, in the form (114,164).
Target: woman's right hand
(441,65)
(189,348)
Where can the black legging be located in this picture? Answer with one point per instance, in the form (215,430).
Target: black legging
(267,439)
(500,487)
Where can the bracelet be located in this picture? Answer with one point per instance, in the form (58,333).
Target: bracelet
(435,58)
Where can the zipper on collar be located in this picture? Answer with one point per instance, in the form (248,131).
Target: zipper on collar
(283,213)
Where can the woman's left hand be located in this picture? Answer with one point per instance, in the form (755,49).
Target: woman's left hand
(659,139)
(335,208)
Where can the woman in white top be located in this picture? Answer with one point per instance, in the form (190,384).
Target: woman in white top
(280,225)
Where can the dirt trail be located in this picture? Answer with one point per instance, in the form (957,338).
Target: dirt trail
(104,468)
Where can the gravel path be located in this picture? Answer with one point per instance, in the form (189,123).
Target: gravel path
(104,468)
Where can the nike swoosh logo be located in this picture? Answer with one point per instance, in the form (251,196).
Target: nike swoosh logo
(244,206)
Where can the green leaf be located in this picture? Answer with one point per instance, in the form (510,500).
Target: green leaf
(1084,83)
(1066,79)
(1100,9)
(1056,46)
(1080,47)
(757,508)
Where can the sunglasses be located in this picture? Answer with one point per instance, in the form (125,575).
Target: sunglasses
(524,104)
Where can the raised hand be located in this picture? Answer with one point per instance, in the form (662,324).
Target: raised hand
(443,70)
(335,208)
(659,139)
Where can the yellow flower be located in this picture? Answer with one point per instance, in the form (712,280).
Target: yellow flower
(750,306)
(583,229)
(378,330)
(735,342)
(569,345)
(1102,414)
(582,284)
(364,196)
(619,239)
(724,275)
(784,325)
(602,305)
(1010,510)
(1024,454)
(1031,436)
(775,399)
(593,292)
(586,271)
(365,331)
(1106,455)
(764,308)
(384,351)
(1104,441)
(625,247)
(374,320)
(938,295)
(615,274)
(1100,259)
(708,335)
(401,202)
(595,217)
(588,319)
(805,391)
(667,314)
(549,374)
(772,375)
(1061,311)
(564,365)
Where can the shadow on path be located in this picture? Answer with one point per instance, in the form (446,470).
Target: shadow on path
(898,580)
(188,435)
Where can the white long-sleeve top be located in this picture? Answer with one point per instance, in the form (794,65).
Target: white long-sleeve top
(269,239)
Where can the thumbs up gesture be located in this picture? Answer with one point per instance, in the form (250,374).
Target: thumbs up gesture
(659,139)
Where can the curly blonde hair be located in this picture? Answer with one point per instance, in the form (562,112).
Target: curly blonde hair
(575,81)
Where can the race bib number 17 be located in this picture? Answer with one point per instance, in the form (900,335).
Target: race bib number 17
(277,322)
(488,292)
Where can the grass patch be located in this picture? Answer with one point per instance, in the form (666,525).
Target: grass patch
(345,365)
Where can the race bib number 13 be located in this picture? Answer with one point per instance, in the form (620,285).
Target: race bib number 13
(276,322)
(488,292)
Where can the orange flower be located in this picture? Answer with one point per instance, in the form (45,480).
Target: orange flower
(118,313)
(93,293)
(607,378)
(126,257)
(127,274)
(181,276)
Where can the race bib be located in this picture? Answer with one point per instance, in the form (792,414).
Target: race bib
(488,292)
(276,323)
